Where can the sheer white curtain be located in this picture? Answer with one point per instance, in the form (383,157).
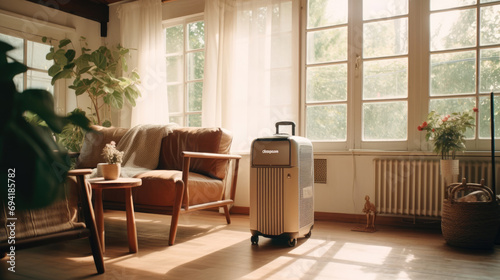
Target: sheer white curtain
(251,67)
(141,31)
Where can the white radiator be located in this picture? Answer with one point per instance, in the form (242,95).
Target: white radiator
(414,187)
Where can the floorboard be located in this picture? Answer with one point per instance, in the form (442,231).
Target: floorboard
(208,248)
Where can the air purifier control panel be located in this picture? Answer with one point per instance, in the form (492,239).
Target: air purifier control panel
(271,152)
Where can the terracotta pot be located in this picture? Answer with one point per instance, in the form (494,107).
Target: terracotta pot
(449,172)
(110,171)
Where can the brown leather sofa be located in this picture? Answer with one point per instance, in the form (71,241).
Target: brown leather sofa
(193,173)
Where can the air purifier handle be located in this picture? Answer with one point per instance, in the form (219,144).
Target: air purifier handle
(278,124)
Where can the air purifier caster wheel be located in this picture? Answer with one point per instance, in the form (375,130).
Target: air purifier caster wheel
(308,234)
(292,242)
(254,239)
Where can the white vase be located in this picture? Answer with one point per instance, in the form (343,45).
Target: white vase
(449,172)
(109,171)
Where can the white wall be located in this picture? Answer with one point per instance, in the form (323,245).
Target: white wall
(349,179)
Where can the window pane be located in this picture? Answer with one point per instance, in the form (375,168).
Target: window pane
(373,9)
(395,34)
(385,78)
(488,1)
(453,73)
(489,70)
(195,65)
(19,82)
(485,117)
(453,29)
(174,39)
(445,4)
(174,69)
(327,83)
(385,121)
(327,45)
(490,25)
(194,91)
(40,80)
(326,13)
(196,35)
(36,56)
(175,98)
(327,122)
(17,53)
(453,105)
(176,119)
(194,120)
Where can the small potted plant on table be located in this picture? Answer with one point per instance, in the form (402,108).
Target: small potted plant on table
(111,169)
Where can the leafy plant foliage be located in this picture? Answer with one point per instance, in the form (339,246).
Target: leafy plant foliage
(447,133)
(97,73)
(31,162)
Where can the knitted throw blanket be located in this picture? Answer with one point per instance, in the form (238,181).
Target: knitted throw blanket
(141,148)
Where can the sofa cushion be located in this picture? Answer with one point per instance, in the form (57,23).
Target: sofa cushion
(158,189)
(206,140)
(94,142)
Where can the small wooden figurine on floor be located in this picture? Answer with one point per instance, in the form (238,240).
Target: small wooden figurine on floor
(370,210)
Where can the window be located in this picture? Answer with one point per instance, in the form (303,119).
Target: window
(464,59)
(344,50)
(31,54)
(372,69)
(185,58)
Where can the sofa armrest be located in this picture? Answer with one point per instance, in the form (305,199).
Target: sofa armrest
(185,171)
(209,155)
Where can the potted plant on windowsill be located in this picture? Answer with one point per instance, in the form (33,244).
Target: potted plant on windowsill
(447,134)
(111,169)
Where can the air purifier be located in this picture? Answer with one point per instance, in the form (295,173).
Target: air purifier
(281,187)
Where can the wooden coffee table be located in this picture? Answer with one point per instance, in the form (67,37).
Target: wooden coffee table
(98,185)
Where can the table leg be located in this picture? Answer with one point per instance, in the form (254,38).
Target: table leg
(131,228)
(99,215)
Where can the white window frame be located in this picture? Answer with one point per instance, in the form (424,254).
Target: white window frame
(184,21)
(418,84)
(34,30)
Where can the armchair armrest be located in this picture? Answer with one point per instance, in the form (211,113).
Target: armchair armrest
(185,170)
(79,172)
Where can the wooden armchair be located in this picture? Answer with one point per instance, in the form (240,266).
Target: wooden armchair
(57,222)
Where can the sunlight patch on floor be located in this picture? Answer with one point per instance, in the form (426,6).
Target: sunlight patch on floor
(362,253)
(269,269)
(345,272)
(163,260)
(313,248)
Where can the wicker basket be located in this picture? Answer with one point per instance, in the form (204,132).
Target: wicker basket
(470,224)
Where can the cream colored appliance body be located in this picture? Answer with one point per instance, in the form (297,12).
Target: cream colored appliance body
(281,188)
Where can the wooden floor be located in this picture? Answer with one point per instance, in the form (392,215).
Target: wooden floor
(207,248)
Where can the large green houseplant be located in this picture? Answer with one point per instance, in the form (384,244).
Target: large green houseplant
(33,166)
(100,75)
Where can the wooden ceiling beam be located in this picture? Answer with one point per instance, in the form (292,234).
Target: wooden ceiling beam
(92,10)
